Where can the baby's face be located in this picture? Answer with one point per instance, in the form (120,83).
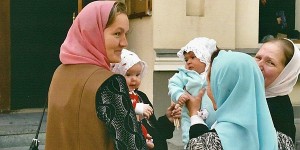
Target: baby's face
(193,63)
(133,76)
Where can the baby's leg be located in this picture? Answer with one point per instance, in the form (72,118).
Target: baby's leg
(185,125)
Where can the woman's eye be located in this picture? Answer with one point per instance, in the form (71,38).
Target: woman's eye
(270,63)
(257,58)
(118,34)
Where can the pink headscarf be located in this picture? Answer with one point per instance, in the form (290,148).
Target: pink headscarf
(85,43)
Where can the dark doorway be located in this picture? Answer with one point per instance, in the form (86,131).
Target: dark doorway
(38,28)
(277,19)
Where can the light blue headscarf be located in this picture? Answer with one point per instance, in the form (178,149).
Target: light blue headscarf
(243,118)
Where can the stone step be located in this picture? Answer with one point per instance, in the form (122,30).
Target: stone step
(297,146)
(21,140)
(41,147)
(18,129)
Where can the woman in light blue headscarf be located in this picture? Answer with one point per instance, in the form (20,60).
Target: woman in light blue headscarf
(243,120)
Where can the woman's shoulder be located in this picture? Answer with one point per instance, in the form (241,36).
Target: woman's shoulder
(280,102)
(209,140)
(284,141)
(286,97)
(115,81)
(116,77)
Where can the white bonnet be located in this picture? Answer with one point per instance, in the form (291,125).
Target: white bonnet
(202,47)
(128,59)
(288,77)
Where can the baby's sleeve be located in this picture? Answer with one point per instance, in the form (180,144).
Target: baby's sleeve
(175,85)
(139,108)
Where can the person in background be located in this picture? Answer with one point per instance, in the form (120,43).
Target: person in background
(279,61)
(89,107)
(133,69)
(191,78)
(277,19)
(243,120)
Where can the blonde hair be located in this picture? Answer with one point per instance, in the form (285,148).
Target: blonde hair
(118,8)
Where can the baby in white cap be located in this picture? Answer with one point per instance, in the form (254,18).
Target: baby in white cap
(191,78)
(161,129)
(133,69)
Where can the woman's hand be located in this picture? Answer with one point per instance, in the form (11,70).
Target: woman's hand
(173,112)
(194,104)
(149,142)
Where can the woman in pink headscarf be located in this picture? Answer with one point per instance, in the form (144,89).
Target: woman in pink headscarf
(89,106)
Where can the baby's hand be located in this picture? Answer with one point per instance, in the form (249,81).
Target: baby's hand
(183,99)
(148,111)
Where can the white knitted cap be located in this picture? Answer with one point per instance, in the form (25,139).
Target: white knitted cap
(128,59)
(202,47)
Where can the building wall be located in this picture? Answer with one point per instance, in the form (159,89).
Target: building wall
(295,95)
(172,28)
(247,16)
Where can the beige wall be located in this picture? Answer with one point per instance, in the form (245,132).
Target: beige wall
(295,95)
(172,28)
(232,23)
(247,16)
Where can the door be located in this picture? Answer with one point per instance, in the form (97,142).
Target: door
(38,28)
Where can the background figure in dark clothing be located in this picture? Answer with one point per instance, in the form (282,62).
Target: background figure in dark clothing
(277,16)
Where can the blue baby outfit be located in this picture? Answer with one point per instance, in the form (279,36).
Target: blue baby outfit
(185,81)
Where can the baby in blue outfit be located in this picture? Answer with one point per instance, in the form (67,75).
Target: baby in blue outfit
(191,78)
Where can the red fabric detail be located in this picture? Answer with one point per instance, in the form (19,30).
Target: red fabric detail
(134,98)
(144,130)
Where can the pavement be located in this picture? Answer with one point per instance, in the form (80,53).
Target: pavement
(18,128)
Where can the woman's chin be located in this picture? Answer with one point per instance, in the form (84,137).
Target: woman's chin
(115,60)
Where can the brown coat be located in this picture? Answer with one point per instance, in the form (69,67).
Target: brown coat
(72,123)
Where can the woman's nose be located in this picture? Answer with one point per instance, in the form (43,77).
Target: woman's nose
(260,65)
(123,42)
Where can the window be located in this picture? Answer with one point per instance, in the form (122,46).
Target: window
(138,8)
